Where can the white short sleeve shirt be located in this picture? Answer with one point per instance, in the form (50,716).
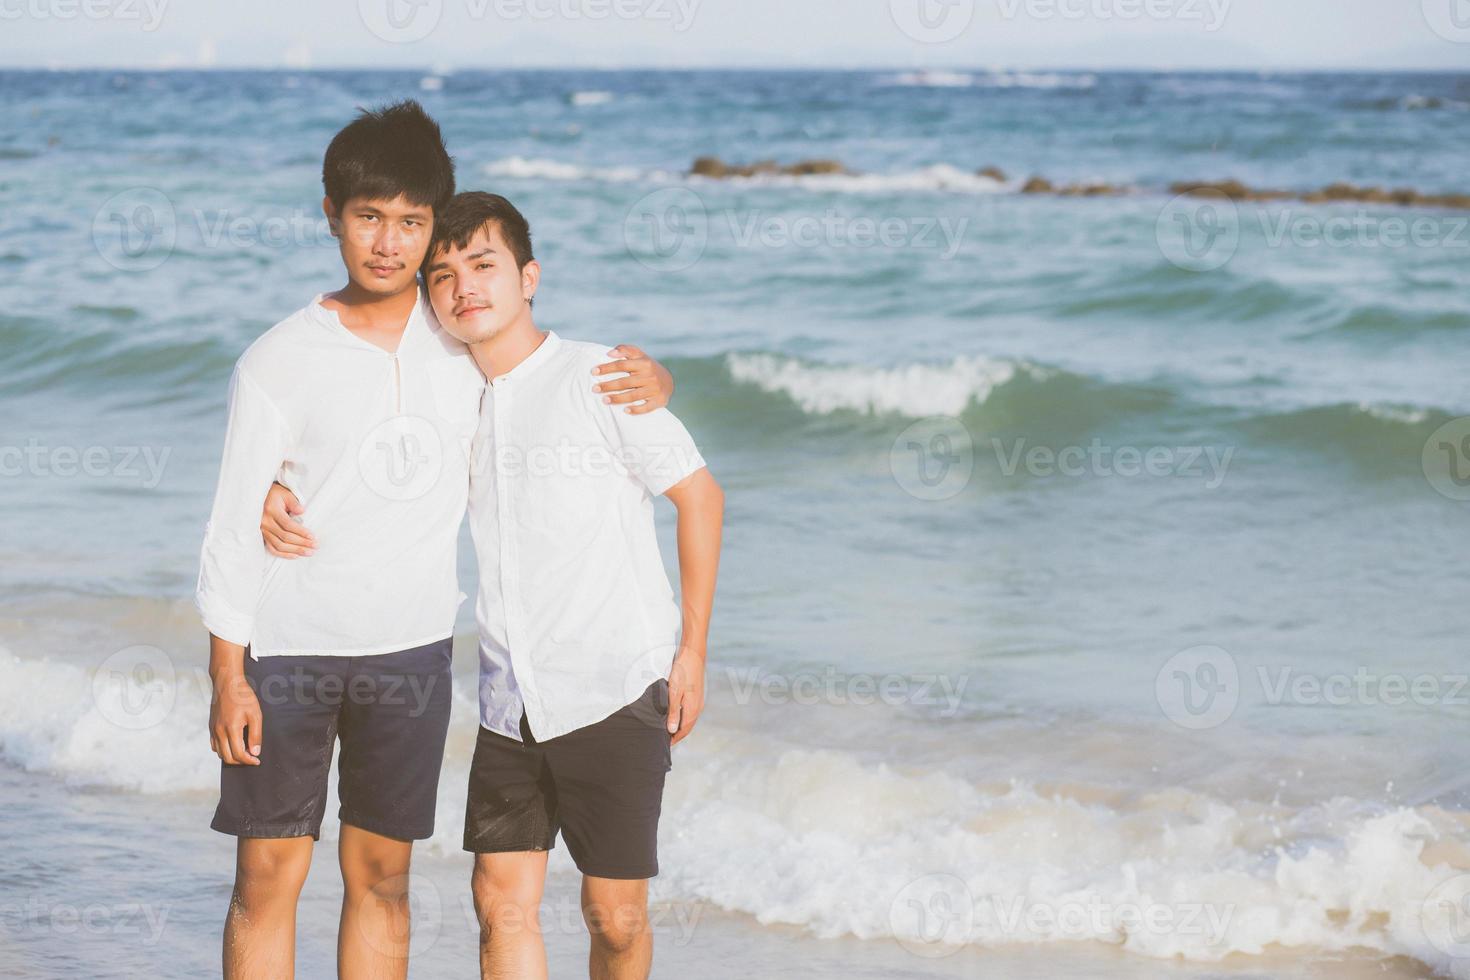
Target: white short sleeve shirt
(575,610)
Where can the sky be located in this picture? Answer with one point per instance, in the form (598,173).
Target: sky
(452,34)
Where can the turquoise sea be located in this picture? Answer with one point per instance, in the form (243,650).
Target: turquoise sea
(1091,602)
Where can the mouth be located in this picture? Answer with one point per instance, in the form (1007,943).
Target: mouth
(469,311)
(384,271)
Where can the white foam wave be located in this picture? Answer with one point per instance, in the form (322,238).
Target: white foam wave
(818,840)
(932,79)
(913,389)
(590,98)
(1042,80)
(1394,413)
(994,79)
(826,842)
(938,177)
(536,168)
(118,725)
(1415,102)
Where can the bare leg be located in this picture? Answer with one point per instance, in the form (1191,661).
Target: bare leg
(616,912)
(260,927)
(372,941)
(507,889)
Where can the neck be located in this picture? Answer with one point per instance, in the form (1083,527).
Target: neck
(501,353)
(368,309)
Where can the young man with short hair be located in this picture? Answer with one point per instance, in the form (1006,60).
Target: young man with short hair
(589,671)
(361,404)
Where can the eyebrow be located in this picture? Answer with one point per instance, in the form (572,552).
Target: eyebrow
(372,209)
(468,258)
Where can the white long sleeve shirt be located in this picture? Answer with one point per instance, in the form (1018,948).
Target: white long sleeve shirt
(376,446)
(575,611)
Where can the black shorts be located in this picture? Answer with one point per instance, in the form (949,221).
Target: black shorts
(391,713)
(602,786)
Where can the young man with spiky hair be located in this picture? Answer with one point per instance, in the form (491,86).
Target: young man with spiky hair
(589,669)
(363,406)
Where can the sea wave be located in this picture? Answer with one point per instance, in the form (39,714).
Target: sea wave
(993,79)
(915,389)
(834,844)
(819,840)
(938,177)
(590,97)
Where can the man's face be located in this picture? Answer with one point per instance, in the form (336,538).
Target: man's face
(382,242)
(477,291)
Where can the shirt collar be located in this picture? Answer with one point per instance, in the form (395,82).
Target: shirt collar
(420,319)
(535,359)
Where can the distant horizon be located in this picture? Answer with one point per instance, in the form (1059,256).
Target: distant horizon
(444,71)
(713,35)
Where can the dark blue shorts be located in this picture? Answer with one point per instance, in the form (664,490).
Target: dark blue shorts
(601,786)
(390,712)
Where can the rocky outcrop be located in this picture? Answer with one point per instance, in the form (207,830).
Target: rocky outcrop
(1402,196)
(715,167)
(1233,189)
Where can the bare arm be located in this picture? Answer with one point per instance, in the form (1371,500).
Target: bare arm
(701,505)
(234,711)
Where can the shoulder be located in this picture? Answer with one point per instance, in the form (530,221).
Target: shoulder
(583,353)
(278,345)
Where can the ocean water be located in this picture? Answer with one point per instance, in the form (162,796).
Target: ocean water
(1093,601)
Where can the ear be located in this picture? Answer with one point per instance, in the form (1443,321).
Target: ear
(530,278)
(334,221)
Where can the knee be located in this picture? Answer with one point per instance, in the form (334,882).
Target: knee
(265,877)
(617,928)
(505,903)
(383,878)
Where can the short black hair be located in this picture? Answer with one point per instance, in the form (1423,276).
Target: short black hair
(384,153)
(467,213)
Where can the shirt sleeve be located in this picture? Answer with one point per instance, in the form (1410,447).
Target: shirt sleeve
(655,447)
(233,560)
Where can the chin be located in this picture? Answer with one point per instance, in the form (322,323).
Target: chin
(387,287)
(472,332)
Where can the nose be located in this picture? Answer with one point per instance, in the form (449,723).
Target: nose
(387,241)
